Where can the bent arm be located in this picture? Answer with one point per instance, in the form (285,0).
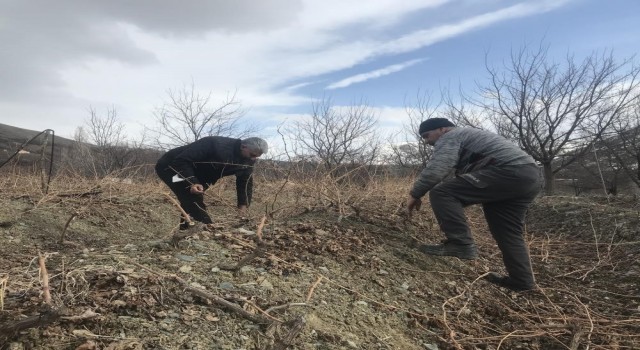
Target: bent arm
(445,157)
(184,163)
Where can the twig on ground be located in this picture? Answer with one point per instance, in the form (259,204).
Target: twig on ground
(44,278)
(285,306)
(452,333)
(260,227)
(313,288)
(186,216)
(214,298)
(259,309)
(43,319)
(259,250)
(3,286)
(586,310)
(92,192)
(66,226)
(575,340)
(296,326)
(88,314)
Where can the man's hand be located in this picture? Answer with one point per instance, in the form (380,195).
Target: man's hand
(413,204)
(196,189)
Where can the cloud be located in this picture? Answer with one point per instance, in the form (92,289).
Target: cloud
(335,14)
(359,78)
(41,38)
(180,18)
(59,57)
(324,54)
(422,38)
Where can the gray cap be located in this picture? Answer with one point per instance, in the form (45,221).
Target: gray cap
(256,144)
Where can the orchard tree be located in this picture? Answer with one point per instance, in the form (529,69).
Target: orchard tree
(557,111)
(189,115)
(412,151)
(112,150)
(102,147)
(623,144)
(337,136)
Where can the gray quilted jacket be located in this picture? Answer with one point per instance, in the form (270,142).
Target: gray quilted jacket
(467,150)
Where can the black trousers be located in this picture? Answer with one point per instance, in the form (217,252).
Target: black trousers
(192,204)
(505,194)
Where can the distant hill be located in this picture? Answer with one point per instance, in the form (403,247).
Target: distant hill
(11,138)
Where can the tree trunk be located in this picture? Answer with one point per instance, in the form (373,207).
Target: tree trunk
(637,179)
(549,185)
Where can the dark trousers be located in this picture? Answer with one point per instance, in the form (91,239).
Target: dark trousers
(505,194)
(192,204)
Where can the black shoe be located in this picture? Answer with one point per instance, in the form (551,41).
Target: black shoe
(508,282)
(460,251)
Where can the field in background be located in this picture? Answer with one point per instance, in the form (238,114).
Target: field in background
(336,252)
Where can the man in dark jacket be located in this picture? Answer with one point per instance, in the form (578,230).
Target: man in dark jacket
(189,170)
(489,170)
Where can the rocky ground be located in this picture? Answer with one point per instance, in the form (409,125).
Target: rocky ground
(335,269)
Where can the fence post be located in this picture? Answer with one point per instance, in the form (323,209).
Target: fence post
(43,163)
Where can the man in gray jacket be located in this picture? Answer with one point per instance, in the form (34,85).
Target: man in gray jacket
(491,171)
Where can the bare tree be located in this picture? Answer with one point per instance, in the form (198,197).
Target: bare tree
(595,172)
(557,111)
(336,137)
(102,147)
(111,151)
(462,111)
(105,131)
(412,152)
(624,145)
(188,116)
(81,158)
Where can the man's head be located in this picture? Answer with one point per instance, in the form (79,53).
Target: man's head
(431,129)
(253,147)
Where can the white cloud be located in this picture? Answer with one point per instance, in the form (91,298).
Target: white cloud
(430,36)
(331,54)
(330,14)
(359,78)
(61,57)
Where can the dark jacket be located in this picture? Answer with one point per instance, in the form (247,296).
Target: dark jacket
(209,159)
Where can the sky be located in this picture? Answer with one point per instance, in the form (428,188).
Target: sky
(58,59)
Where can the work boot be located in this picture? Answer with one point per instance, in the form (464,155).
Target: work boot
(466,251)
(508,282)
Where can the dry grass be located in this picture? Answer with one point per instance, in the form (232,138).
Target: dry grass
(584,258)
